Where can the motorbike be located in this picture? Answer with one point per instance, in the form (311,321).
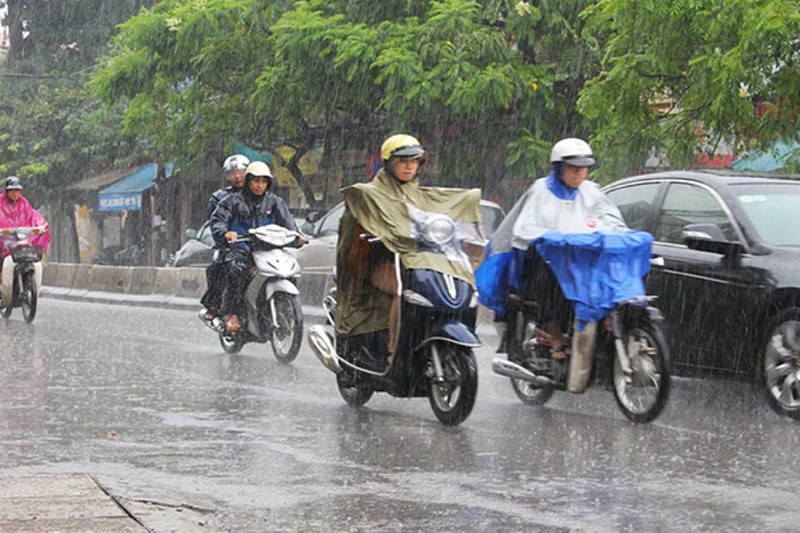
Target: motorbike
(21,271)
(625,351)
(435,337)
(273,312)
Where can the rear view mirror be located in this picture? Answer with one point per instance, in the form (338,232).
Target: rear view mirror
(307,227)
(709,238)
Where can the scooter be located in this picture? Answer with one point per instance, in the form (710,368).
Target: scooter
(273,311)
(625,350)
(436,336)
(22,271)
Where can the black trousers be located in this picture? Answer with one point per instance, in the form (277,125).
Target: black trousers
(541,285)
(212,299)
(235,277)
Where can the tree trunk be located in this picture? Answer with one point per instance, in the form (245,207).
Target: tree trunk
(15,36)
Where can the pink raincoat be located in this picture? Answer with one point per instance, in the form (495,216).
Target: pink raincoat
(22,214)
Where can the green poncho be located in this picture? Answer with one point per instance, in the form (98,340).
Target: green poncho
(381,208)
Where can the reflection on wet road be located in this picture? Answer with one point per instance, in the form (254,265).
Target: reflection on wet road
(146,400)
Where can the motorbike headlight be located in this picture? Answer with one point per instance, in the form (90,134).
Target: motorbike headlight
(440,230)
(23,233)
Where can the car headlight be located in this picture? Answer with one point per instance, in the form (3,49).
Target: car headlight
(439,230)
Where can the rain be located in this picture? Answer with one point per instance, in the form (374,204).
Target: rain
(117,120)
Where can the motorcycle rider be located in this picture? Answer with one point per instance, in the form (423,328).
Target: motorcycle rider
(563,201)
(254,206)
(16,211)
(370,286)
(234,168)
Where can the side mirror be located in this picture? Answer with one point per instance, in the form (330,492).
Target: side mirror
(191,233)
(709,238)
(307,227)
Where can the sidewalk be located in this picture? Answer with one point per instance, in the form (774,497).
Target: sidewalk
(64,502)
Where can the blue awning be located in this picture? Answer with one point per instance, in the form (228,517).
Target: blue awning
(126,194)
(780,154)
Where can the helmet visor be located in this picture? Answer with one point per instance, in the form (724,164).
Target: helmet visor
(579,160)
(409,151)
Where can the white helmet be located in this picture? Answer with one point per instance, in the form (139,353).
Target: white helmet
(575,152)
(235,162)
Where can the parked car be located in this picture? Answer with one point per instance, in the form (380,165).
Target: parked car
(726,270)
(318,257)
(197,251)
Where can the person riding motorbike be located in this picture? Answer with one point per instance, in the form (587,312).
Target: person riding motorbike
(563,201)
(234,168)
(367,290)
(238,212)
(16,211)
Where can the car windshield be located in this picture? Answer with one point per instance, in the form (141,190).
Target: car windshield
(773,209)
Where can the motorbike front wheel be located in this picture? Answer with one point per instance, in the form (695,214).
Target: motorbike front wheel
(287,334)
(642,395)
(353,395)
(453,397)
(231,342)
(29,296)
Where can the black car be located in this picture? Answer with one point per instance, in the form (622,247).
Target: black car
(726,270)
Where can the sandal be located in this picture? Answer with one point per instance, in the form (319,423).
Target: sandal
(559,353)
(233,323)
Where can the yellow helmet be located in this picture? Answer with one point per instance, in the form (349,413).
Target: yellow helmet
(258,168)
(402,145)
(261,169)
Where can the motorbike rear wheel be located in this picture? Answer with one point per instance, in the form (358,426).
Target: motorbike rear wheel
(231,342)
(354,395)
(288,335)
(527,392)
(453,398)
(642,396)
(531,394)
(29,297)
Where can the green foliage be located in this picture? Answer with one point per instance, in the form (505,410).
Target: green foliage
(52,130)
(723,71)
(475,80)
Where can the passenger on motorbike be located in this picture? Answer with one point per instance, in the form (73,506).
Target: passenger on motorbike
(234,168)
(16,211)
(402,156)
(564,201)
(237,213)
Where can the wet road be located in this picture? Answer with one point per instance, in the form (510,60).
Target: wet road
(146,401)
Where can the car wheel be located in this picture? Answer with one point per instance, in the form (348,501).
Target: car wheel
(780,363)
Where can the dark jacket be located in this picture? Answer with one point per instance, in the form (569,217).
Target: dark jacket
(216,198)
(241,211)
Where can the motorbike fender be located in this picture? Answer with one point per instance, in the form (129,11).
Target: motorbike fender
(6,289)
(454,332)
(37,275)
(280,285)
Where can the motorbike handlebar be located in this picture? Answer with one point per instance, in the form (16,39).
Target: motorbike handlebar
(36,230)
(370,238)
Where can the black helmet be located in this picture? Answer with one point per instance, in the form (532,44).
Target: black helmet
(13,183)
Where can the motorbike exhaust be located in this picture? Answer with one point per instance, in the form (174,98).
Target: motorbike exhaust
(506,368)
(320,342)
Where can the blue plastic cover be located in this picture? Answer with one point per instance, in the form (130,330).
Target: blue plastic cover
(595,270)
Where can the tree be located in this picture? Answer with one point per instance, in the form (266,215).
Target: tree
(680,76)
(475,80)
(52,130)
